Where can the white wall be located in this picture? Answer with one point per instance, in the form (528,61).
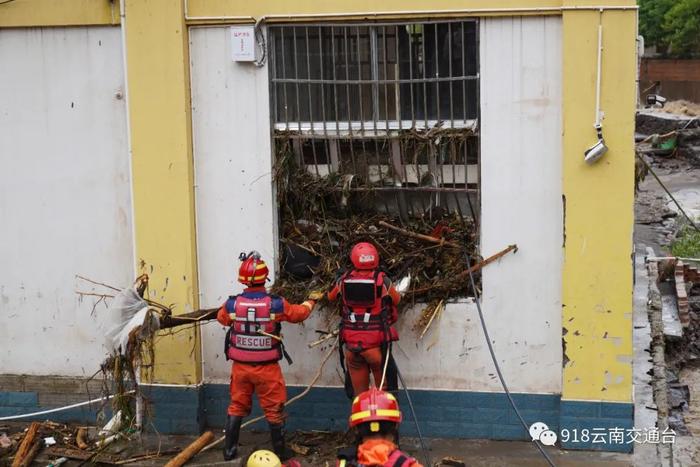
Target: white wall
(233,165)
(521,154)
(65,200)
(521,203)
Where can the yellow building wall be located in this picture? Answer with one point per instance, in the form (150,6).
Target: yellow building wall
(29,13)
(163,178)
(282,10)
(597,275)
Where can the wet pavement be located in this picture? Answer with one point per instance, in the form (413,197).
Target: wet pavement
(471,452)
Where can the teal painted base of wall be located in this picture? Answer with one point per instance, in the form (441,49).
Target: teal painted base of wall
(596,425)
(21,402)
(442,414)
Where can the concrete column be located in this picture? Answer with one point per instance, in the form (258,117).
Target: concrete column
(161,139)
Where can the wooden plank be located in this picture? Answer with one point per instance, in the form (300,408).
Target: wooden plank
(26,448)
(191,450)
(188,318)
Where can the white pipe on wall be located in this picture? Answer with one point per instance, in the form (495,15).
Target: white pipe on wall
(122,25)
(597,82)
(61,409)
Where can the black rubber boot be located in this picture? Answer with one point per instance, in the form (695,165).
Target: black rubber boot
(279,445)
(233,429)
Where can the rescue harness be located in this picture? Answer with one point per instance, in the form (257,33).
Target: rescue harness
(366,309)
(254,335)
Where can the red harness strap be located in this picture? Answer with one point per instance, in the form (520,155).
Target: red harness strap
(364,324)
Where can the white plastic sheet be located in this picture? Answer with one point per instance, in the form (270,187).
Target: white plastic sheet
(128,311)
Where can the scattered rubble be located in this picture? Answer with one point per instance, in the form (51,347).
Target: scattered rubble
(671,138)
(669,144)
(675,295)
(318,446)
(322,217)
(21,442)
(687,349)
(681,107)
(656,121)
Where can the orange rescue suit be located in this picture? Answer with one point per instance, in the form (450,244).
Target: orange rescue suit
(360,363)
(379,453)
(263,379)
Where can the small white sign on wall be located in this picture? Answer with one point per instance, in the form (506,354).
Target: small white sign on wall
(243,43)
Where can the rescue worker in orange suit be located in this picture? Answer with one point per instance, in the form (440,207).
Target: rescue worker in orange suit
(254,344)
(375,419)
(368,314)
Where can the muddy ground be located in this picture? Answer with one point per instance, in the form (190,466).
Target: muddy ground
(322,447)
(656,222)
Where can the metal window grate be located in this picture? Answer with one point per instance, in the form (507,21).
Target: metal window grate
(374,77)
(392,107)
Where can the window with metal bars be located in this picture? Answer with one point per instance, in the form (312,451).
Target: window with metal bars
(391,107)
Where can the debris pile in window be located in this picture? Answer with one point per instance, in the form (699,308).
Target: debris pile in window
(322,217)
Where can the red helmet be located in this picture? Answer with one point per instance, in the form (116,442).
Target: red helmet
(253,270)
(364,256)
(374,406)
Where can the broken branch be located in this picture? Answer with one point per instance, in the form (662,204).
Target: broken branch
(27,450)
(188,318)
(91,294)
(489,260)
(475,267)
(98,283)
(191,450)
(267,334)
(325,338)
(437,311)
(144,457)
(427,238)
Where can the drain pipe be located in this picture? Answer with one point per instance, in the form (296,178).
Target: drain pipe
(122,25)
(598,116)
